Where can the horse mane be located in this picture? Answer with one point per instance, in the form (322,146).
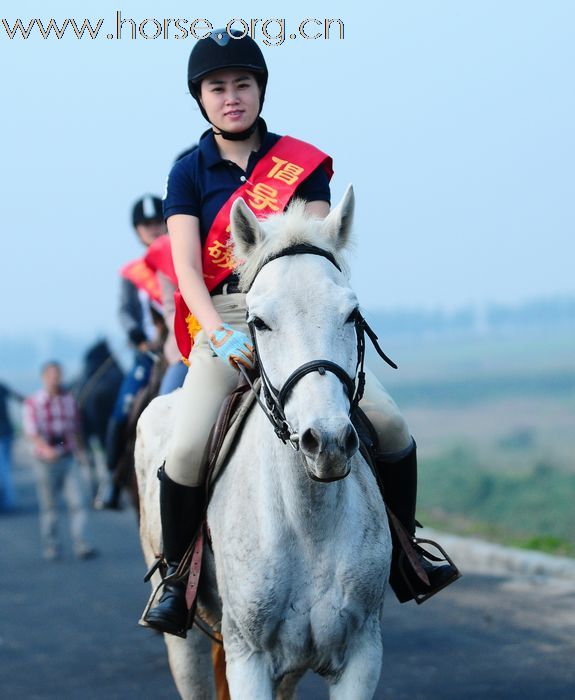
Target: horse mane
(283,230)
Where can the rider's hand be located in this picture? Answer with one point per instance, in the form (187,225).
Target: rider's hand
(232,346)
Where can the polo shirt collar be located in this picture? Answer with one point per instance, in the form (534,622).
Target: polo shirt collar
(209,149)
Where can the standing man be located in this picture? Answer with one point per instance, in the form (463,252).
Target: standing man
(7,492)
(51,422)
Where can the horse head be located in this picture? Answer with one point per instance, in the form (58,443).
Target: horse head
(302,313)
(95,355)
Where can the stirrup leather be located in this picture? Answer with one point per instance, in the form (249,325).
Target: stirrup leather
(187,573)
(410,558)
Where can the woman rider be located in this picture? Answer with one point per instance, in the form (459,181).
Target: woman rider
(227,76)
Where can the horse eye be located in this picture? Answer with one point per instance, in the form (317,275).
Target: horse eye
(353,316)
(260,324)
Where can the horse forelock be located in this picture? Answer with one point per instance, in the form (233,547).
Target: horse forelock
(284,230)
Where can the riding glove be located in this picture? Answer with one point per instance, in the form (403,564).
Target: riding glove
(232,346)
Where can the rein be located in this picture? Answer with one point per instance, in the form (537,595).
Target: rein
(274,406)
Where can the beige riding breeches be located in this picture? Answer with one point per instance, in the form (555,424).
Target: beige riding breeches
(209,380)
(207,383)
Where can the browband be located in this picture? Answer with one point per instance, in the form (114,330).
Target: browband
(300,248)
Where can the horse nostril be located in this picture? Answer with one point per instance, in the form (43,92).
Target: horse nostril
(310,442)
(351,443)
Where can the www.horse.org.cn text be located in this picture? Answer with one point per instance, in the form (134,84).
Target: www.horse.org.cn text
(271,32)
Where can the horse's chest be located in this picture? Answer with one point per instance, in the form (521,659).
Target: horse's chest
(298,589)
(304,604)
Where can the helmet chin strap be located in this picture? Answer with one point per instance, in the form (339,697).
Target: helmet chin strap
(237,136)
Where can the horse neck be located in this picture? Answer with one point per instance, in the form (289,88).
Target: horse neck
(312,507)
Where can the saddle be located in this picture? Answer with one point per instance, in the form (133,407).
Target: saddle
(224,434)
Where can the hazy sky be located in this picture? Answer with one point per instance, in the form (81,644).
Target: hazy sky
(454,121)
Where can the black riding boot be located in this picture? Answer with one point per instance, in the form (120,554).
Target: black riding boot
(399,481)
(182,510)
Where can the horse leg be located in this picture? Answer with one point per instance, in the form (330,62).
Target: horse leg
(361,674)
(249,677)
(191,665)
(97,450)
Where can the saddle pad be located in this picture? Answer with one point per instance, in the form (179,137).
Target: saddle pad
(233,413)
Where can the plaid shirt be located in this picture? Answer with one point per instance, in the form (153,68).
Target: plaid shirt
(54,418)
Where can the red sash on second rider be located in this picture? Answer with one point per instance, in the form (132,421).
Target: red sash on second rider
(139,273)
(272,184)
(159,258)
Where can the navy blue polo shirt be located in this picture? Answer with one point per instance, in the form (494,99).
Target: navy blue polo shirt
(201,183)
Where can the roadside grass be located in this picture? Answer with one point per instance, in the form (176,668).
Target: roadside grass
(493,416)
(532,507)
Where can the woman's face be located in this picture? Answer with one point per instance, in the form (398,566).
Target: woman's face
(231,99)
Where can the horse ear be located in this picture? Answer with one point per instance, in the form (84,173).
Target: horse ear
(337,224)
(245,228)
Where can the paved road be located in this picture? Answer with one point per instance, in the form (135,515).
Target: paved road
(68,629)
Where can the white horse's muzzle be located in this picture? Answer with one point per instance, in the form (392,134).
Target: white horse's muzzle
(328,450)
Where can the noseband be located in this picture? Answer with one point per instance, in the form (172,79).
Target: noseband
(275,400)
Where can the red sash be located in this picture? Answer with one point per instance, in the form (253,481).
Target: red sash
(272,184)
(143,277)
(159,258)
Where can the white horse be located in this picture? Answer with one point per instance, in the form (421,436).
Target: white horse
(301,554)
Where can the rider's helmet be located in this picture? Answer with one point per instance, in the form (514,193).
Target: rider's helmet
(147,210)
(226,49)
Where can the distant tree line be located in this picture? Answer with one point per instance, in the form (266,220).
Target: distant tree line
(537,313)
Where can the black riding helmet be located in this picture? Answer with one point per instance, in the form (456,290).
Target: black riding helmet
(146,210)
(223,49)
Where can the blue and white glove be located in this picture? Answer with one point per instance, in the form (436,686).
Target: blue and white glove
(232,346)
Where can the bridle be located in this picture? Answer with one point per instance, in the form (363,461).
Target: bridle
(275,400)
